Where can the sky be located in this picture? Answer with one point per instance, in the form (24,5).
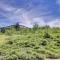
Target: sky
(29,12)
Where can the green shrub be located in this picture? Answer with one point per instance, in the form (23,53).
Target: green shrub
(39,58)
(13,52)
(46,35)
(44,42)
(0,53)
(28,52)
(8,33)
(57,36)
(53,56)
(10,42)
(29,44)
(13,57)
(3,30)
(58,43)
(37,47)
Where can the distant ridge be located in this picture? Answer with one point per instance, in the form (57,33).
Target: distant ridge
(12,26)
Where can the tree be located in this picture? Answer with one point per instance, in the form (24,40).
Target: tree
(35,26)
(17,26)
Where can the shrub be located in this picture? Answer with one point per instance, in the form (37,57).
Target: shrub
(13,57)
(2,53)
(13,52)
(44,43)
(8,33)
(58,43)
(38,57)
(10,42)
(46,35)
(36,47)
(53,56)
(3,30)
(57,36)
(29,44)
(28,52)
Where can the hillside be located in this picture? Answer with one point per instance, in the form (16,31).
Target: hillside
(30,44)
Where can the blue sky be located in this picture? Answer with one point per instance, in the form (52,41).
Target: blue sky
(28,12)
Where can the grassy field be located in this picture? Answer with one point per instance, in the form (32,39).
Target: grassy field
(30,44)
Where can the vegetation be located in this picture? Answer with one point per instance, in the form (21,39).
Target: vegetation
(17,26)
(29,44)
(2,30)
(46,35)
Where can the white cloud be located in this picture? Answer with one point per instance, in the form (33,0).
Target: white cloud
(54,23)
(39,21)
(21,15)
(16,14)
(6,7)
(58,2)
(26,18)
